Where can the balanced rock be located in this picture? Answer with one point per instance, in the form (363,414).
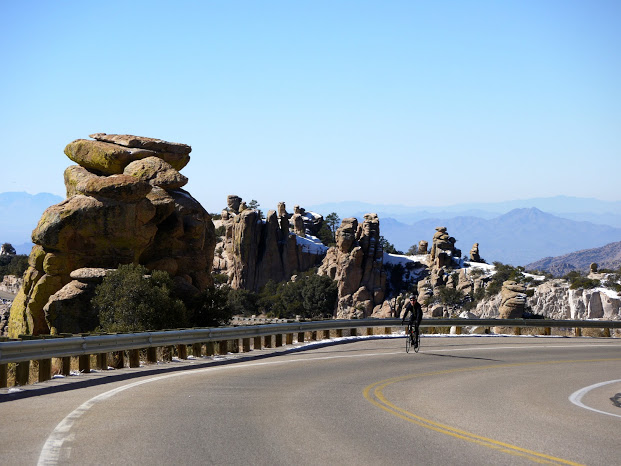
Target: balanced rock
(513,300)
(474,253)
(124,205)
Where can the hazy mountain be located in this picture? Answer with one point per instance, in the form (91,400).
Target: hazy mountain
(518,237)
(606,257)
(20,213)
(573,208)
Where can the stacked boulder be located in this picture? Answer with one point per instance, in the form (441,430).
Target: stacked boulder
(512,300)
(443,248)
(356,263)
(255,251)
(125,204)
(474,253)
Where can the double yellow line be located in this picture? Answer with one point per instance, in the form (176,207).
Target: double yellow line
(374,393)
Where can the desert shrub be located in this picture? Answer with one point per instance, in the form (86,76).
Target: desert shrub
(130,300)
(221,230)
(578,280)
(326,236)
(210,308)
(450,296)
(242,302)
(13,265)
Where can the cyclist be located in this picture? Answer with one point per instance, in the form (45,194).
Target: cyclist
(413,307)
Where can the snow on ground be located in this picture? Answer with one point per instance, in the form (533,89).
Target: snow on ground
(311,244)
(608,292)
(395,259)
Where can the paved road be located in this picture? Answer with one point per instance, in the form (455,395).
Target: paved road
(461,400)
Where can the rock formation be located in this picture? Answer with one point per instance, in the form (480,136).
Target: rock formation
(512,300)
(422,247)
(11,284)
(124,205)
(474,253)
(356,262)
(255,251)
(443,248)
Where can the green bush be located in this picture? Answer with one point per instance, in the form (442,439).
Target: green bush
(450,296)
(221,230)
(210,308)
(242,302)
(13,265)
(130,300)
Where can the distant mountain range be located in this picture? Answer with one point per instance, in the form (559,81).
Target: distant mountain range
(606,257)
(572,208)
(518,237)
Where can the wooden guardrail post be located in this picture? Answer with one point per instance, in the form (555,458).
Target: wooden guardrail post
(289,339)
(22,373)
(152,355)
(257,344)
(517,331)
(578,332)
(118,358)
(300,337)
(387,330)
(607,332)
(369,331)
(167,353)
(197,349)
(234,345)
(134,358)
(223,347)
(326,334)
(354,332)
(65,366)
(267,341)
(84,363)
(45,369)
(547,331)
(245,345)
(278,342)
(339,333)
(313,336)
(102,361)
(182,351)
(210,348)
(4,375)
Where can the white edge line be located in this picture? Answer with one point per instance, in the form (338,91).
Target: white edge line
(576,397)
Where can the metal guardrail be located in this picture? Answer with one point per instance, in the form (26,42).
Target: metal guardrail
(46,348)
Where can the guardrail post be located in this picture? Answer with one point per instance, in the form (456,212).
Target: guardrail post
(517,331)
(152,355)
(45,369)
(257,344)
(167,353)
(339,333)
(182,351)
(547,331)
(210,348)
(245,345)
(326,334)
(300,337)
(289,339)
(84,363)
(313,336)
(22,373)
(278,342)
(223,347)
(65,366)
(197,350)
(267,341)
(387,331)
(607,332)
(134,358)
(578,332)
(119,359)
(4,375)
(457,330)
(234,345)
(354,332)
(369,331)
(102,361)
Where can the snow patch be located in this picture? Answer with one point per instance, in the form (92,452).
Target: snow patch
(311,244)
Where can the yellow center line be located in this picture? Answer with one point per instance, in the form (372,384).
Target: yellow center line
(374,394)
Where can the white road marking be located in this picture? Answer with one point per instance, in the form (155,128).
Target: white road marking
(576,397)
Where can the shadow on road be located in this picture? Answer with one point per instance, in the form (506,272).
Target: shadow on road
(459,357)
(616,400)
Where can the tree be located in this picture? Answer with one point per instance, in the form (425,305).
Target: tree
(326,236)
(388,247)
(413,250)
(210,308)
(130,300)
(8,248)
(254,205)
(333,221)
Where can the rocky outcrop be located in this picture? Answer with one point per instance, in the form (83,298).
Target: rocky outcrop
(443,249)
(124,205)
(5,309)
(474,253)
(356,263)
(512,300)
(254,251)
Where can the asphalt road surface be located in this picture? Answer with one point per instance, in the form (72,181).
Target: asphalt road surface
(460,400)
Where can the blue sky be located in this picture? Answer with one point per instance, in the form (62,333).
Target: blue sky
(400,102)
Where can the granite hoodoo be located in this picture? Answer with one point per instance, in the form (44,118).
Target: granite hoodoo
(124,205)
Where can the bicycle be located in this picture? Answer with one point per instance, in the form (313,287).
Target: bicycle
(412,338)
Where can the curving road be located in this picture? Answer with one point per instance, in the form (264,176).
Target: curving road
(461,400)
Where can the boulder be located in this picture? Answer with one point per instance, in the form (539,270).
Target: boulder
(156,172)
(513,300)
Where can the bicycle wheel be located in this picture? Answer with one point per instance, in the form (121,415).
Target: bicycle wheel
(417,342)
(408,343)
